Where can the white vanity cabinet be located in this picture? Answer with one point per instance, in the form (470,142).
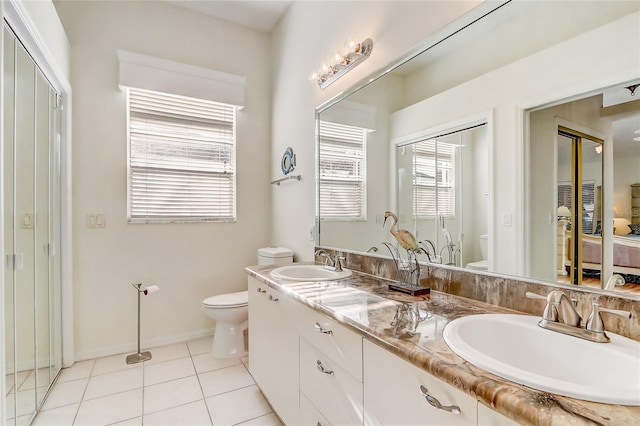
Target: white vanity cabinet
(392,393)
(273,349)
(330,369)
(488,417)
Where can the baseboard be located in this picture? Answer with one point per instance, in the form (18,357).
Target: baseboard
(144,345)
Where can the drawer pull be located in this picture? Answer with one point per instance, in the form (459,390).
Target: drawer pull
(273,299)
(454,409)
(261,290)
(319,329)
(322,369)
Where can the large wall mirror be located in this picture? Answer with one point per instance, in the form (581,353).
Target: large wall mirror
(448,137)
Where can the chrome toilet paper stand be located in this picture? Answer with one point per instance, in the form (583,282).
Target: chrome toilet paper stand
(139,356)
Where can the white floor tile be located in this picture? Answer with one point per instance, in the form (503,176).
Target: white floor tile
(171,394)
(200,346)
(29,382)
(206,362)
(26,403)
(111,364)
(194,414)
(10,379)
(79,370)
(245,360)
(168,370)
(23,420)
(268,420)
(65,393)
(168,353)
(57,416)
(108,384)
(137,421)
(225,380)
(110,409)
(238,406)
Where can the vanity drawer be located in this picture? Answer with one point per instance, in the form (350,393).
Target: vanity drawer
(309,415)
(334,340)
(329,387)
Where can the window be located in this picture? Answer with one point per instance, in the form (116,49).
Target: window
(181,158)
(342,172)
(433,179)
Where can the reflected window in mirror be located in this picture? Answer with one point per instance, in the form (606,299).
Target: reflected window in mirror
(433,182)
(343,171)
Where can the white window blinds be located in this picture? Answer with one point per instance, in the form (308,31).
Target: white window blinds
(342,172)
(433,179)
(181,158)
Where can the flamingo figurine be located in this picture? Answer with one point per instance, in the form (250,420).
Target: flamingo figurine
(405,238)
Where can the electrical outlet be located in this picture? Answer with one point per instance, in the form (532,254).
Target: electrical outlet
(506,219)
(312,233)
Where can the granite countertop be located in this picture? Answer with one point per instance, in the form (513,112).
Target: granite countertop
(364,304)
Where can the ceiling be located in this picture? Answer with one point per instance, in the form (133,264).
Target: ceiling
(260,15)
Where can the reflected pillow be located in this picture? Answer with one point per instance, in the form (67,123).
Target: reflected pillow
(635,228)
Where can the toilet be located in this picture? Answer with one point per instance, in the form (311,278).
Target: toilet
(231,310)
(481,265)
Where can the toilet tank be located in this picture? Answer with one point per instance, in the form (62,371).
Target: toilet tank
(274,256)
(484,242)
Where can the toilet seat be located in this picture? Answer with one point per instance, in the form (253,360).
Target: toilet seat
(229,300)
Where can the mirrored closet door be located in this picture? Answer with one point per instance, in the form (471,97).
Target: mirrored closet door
(33,348)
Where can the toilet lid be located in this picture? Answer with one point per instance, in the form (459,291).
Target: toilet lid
(229,300)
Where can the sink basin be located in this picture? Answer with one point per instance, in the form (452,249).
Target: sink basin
(515,348)
(308,273)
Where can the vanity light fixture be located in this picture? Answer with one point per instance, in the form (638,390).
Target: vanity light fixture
(340,63)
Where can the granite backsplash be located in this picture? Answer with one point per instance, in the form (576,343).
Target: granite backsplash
(504,291)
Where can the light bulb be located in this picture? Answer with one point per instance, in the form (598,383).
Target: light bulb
(313,76)
(324,67)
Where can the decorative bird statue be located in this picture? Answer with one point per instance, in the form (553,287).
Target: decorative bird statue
(405,238)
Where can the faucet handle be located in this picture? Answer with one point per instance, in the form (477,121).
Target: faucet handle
(595,324)
(535,296)
(339,262)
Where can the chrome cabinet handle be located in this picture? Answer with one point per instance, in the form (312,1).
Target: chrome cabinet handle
(454,409)
(261,290)
(273,299)
(322,369)
(319,329)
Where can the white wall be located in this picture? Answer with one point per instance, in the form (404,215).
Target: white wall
(305,37)
(188,261)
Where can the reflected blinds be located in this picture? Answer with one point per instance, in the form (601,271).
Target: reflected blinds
(181,158)
(588,203)
(433,179)
(342,171)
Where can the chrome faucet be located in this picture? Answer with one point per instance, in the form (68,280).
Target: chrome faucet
(558,301)
(337,262)
(327,259)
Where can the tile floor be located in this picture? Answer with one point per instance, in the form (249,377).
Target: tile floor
(181,385)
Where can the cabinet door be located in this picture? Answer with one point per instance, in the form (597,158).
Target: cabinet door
(309,415)
(488,417)
(273,349)
(392,393)
(330,388)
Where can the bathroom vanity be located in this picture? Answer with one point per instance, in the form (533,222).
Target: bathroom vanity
(336,352)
